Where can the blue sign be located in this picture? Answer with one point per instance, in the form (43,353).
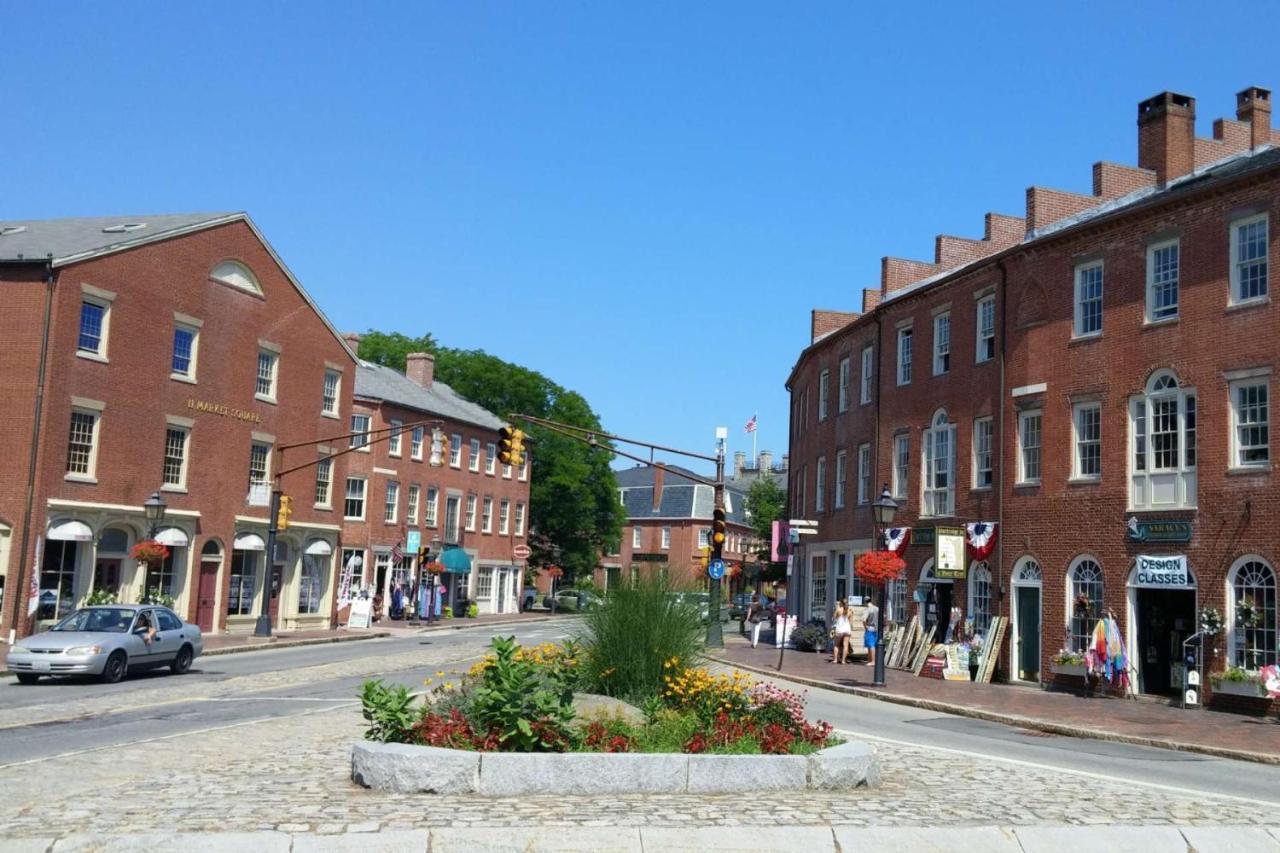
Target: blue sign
(412,542)
(716,569)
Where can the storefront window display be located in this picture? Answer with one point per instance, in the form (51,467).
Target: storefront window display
(1084,601)
(1253,613)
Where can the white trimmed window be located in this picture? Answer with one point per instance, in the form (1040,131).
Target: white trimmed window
(265,384)
(1029,443)
(471,513)
(1162,280)
(942,343)
(980,596)
(519,519)
(360,428)
(1086,427)
(820,485)
(324,482)
(430,511)
(391,507)
(416,436)
(1162,457)
(451,505)
(411,505)
(938,490)
(635,538)
(1084,581)
(824,381)
(490,458)
(484,582)
(704,537)
(486,516)
(455,451)
(986,330)
(332,384)
(506,472)
(846,370)
(175,456)
(473,461)
(904,356)
(1088,310)
(982,469)
(259,465)
(1251,424)
(864,473)
(901,461)
(666,539)
(841,475)
(1252,645)
(182,363)
(1249,259)
(524,468)
(95,317)
(353,505)
(393,439)
(867,377)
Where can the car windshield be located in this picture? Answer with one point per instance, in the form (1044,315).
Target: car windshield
(112,620)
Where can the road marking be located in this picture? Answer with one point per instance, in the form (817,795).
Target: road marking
(272,699)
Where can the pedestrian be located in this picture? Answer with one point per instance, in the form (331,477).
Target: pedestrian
(756,614)
(870,624)
(843,629)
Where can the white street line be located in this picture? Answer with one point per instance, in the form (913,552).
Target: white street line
(273,699)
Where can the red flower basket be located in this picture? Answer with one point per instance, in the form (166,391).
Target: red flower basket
(149,551)
(878,567)
(554,571)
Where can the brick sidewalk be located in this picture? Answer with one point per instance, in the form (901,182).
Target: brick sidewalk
(1140,722)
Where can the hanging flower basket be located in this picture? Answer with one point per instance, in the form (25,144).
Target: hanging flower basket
(149,551)
(435,567)
(1083,607)
(877,568)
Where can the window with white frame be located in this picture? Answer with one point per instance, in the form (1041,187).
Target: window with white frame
(841,465)
(519,519)
(452,514)
(1088,311)
(635,538)
(980,597)
(332,383)
(411,505)
(1162,280)
(524,468)
(506,472)
(391,507)
(904,356)
(845,376)
(1252,614)
(1084,601)
(986,330)
(867,377)
(897,596)
(490,458)
(982,468)
(360,432)
(1029,441)
(823,383)
(941,343)
(416,436)
(818,587)
(324,482)
(939,487)
(704,537)
(471,513)
(353,505)
(484,582)
(901,461)
(1249,258)
(486,515)
(265,384)
(259,465)
(182,363)
(666,539)
(431,509)
(455,451)
(504,518)
(1087,431)
(473,461)
(175,456)
(864,473)
(820,485)
(94,314)
(1162,459)
(1251,422)
(393,439)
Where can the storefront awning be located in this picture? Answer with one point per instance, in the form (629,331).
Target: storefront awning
(70,531)
(456,561)
(319,548)
(250,542)
(173,537)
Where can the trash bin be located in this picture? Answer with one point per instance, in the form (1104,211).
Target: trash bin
(460,608)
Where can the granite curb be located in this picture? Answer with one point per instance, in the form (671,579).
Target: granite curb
(293,644)
(1008,719)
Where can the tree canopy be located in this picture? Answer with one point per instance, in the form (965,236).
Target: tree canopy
(766,502)
(573,500)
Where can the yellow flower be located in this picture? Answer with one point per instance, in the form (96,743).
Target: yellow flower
(440,674)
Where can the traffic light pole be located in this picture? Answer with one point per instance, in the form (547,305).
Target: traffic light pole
(715,636)
(263,626)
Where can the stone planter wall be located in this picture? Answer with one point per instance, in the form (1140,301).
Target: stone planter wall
(423,769)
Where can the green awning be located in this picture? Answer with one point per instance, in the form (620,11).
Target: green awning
(456,560)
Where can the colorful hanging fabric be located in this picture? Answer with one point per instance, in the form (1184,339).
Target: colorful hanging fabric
(896,539)
(980,536)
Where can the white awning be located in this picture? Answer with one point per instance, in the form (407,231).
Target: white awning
(319,548)
(249,542)
(173,537)
(70,531)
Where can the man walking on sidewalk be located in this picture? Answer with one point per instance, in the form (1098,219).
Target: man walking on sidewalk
(870,621)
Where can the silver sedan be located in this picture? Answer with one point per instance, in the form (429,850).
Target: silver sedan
(108,641)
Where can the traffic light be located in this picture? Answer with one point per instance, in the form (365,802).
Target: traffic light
(517,448)
(286,510)
(439,447)
(506,444)
(718,532)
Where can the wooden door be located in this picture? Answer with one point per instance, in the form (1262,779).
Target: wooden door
(207,595)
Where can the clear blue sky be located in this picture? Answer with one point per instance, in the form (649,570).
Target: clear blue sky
(654,193)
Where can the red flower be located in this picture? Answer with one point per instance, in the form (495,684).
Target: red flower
(149,551)
(878,567)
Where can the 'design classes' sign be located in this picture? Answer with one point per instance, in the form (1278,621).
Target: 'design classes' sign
(1163,573)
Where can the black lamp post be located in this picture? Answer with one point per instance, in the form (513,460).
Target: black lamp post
(154,510)
(882,513)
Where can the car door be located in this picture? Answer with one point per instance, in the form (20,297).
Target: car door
(139,651)
(168,637)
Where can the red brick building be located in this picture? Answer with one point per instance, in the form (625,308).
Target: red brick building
(167,355)
(469,509)
(1094,378)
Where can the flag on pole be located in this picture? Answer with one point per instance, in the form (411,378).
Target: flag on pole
(396,554)
(751,424)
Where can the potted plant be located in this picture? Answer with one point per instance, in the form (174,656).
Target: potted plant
(150,551)
(100,596)
(1068,663)
(1236,681)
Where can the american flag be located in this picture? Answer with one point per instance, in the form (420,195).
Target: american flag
(751,424)
(396,554)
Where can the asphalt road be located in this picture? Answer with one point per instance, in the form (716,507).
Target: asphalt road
(954,737)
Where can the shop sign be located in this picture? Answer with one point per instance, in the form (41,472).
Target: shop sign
(223,410)
(948,553)
(922,535)
(1158,531)
(648,558)
(1163,573)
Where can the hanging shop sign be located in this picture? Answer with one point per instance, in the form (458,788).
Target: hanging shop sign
(224,410)
(948,553)
(649,558)
(922,535)
(1168,572)
(1159,530)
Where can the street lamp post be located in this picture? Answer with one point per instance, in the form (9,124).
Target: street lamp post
(882,513)
(154,510)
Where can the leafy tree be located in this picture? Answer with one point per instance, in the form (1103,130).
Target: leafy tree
(573,495)
(766,502)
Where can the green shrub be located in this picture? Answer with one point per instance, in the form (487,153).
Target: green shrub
(640,626)
(100,596)
(389,711)
(527,705)
(808,638)
(473,610)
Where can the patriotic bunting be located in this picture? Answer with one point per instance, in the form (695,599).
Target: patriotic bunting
(896,539)
(981,538)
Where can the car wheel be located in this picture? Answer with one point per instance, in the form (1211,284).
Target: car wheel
(116,667)
(27,678)
(182,662)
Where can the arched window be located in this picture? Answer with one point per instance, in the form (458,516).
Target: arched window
(1252,615)
(212,550)
(236,274)
(980,596)
(1027,572)
(938,489)
(1162,458)
(1084,601)
(113,540)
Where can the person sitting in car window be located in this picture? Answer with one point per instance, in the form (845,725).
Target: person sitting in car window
(144,626)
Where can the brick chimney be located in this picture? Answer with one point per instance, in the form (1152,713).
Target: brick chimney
(1253,107)
(766,461)
(739,462)
(420,367)
(353,340)
(657,488)
(1167,135)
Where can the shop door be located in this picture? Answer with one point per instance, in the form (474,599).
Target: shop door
(106,575)
(1165,620)
(502,591)
(1028,651)
(273,606)
(942,596)
(207,595)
